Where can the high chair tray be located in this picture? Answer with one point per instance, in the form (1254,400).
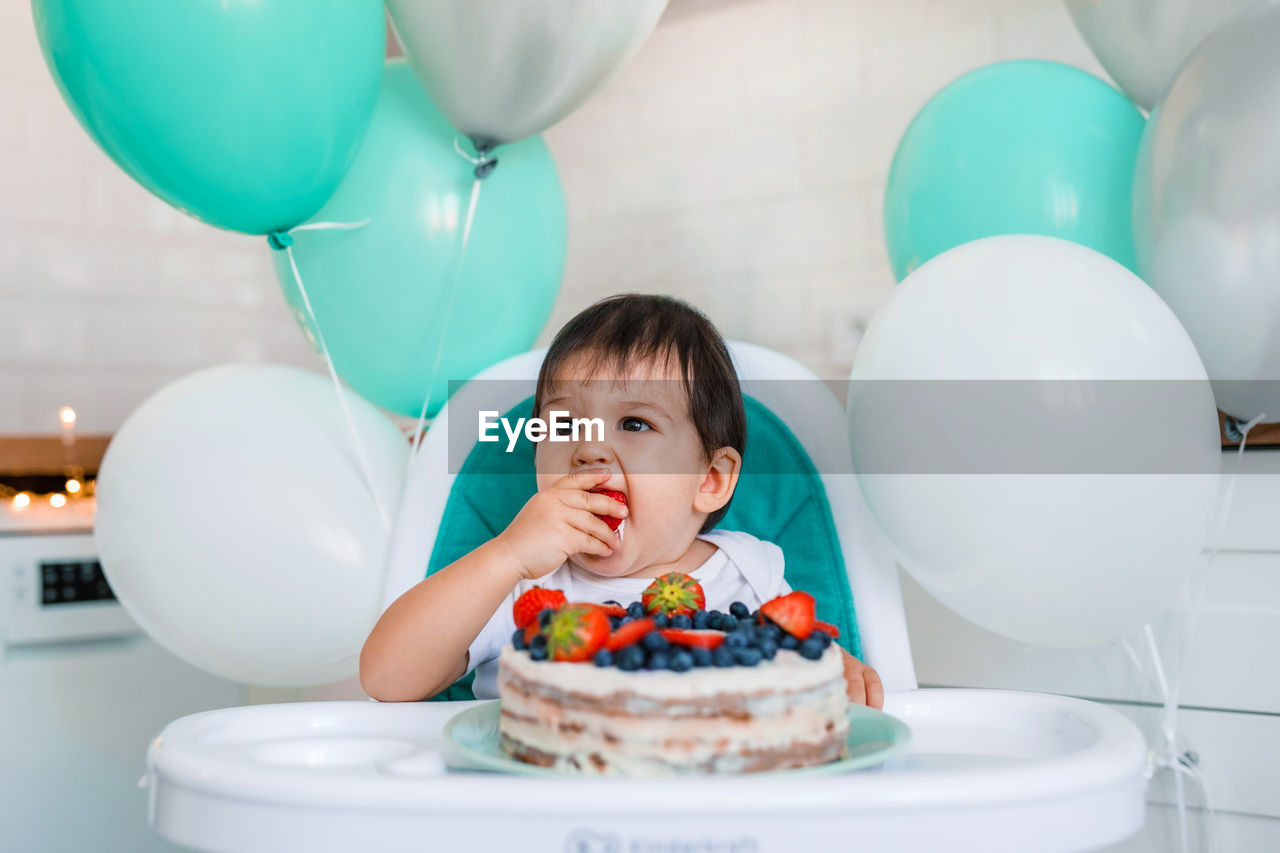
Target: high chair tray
(986,771)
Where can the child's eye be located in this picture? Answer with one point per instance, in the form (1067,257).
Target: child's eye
(631,424)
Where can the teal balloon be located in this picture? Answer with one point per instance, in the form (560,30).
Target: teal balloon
(1024,147)
(381,292)
(242,113)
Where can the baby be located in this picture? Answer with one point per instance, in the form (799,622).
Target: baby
(658,374)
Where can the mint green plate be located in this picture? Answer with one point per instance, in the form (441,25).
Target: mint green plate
(874,738)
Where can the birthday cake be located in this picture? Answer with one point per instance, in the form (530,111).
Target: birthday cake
(665,687)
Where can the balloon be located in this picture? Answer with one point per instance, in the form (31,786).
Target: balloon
(1206,209)
(381,292)
(1064,500)
(242,113)
(502,70)
(234,523)
(1142,43)
(1022,147)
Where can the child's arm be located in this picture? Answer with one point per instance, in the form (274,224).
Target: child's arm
(419,646)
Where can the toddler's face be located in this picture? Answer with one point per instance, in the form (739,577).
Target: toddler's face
(652,447)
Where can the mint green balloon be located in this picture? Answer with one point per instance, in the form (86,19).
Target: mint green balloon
(242,113)
(380,292)
(1025,147)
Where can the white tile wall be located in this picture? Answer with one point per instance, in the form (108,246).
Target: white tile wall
(739,162)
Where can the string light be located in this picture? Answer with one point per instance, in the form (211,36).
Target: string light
(75,483)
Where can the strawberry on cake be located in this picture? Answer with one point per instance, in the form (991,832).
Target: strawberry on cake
(666,687)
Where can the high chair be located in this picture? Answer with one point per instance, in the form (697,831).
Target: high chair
(986,770)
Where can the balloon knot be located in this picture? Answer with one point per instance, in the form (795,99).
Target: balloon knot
(1235,431)
(482,161)
(280,240)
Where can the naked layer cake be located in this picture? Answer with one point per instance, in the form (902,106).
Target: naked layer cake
(665,687)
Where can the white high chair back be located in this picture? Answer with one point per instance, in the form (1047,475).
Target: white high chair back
(803,403)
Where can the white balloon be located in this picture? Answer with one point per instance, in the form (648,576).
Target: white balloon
(1206,209)
(1012,501)
(502,70)
(1142,43)
(235,526)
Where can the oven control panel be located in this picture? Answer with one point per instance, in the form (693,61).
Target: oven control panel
(54,590)
(73,582)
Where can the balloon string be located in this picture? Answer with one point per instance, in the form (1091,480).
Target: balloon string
(484,167)
(1186,766)
(1137,664)
(284,242)
(1168,724)
(1168,756)
(457,146)
(1193,603)
(1224,514)
(451,291)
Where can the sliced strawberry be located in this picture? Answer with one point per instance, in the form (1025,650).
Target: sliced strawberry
(693,639)
(793,613)
(673,593)
(533,602)
(629,633)
(576,632)
(610,520)
(832,631)
(611,609)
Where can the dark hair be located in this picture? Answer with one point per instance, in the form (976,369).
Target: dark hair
(632,326)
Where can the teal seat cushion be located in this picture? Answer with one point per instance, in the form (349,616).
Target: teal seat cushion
(779,498)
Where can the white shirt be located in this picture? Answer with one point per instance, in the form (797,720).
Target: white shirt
(743,568)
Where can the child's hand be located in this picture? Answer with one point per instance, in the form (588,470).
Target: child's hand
(560,521)
(862,682)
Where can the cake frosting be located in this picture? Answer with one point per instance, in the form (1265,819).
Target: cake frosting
(785,712)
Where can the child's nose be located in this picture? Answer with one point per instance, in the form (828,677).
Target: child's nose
(593,453)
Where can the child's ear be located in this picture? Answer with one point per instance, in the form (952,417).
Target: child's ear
(719,482)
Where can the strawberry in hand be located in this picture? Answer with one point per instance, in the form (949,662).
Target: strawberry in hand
(560,521)
(610,520)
